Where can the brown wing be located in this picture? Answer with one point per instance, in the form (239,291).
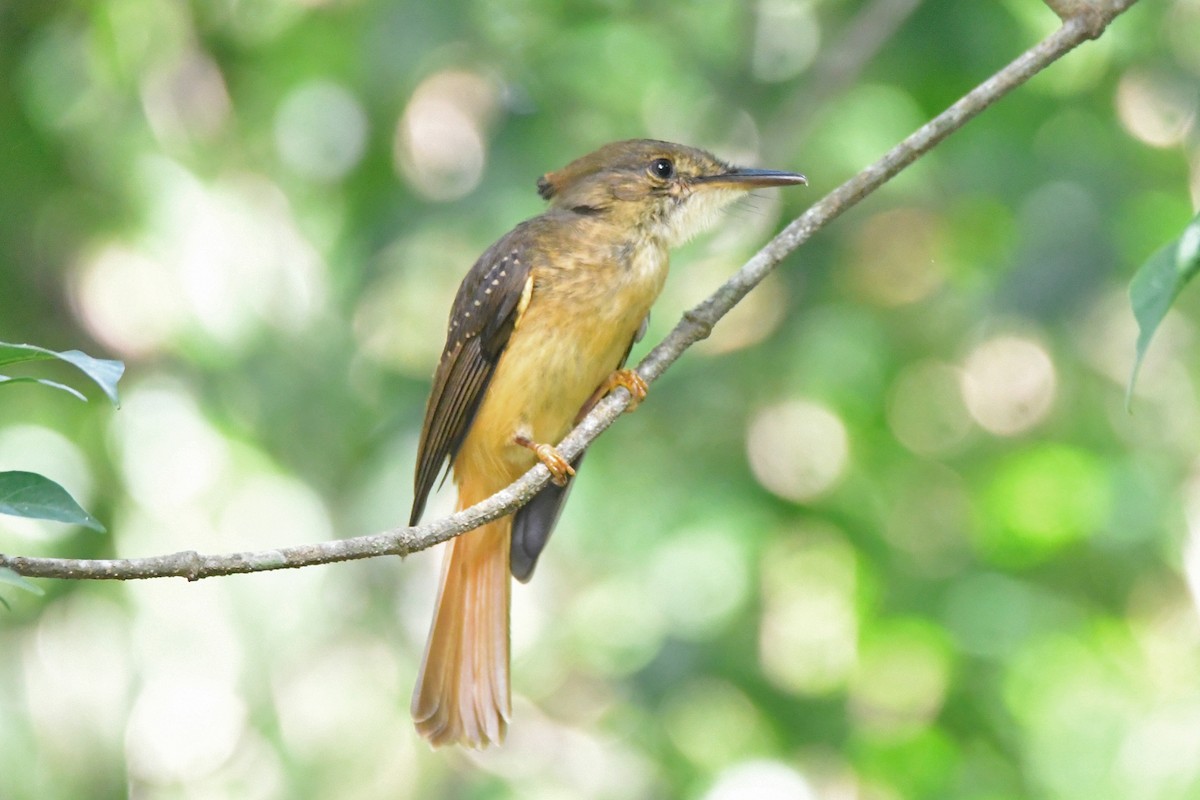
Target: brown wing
(485,311)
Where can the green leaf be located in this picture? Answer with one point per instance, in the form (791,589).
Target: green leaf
(27,494)
(104,372)
(52,384)
(1155,287)
(19,581)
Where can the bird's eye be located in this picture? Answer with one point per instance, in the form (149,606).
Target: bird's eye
(662,168)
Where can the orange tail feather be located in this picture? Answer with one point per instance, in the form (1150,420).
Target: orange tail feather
(462,693)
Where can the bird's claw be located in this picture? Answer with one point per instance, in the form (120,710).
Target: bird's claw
(560,468)
(634,383)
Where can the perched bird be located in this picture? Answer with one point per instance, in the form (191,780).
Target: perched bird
(540,330)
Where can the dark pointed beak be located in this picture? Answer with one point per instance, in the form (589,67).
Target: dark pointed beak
(744,178)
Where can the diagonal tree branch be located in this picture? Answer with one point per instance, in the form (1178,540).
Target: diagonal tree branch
(1087,20)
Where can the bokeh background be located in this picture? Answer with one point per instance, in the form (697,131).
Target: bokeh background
(890,533)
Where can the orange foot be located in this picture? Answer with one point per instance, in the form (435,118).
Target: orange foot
(633,383)
(560,468)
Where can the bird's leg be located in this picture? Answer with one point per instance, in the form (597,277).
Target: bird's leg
(633,383)
(627,378)
(560,468)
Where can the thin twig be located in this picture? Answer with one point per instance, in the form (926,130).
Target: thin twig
(1089,23)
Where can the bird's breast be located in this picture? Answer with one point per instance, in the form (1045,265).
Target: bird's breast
(579,324)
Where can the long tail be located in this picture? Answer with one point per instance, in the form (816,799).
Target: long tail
(462,693)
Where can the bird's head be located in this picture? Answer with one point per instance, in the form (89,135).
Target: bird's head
(668,191)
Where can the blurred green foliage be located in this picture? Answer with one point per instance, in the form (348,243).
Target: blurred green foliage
(1158,283)
(890,533)
(28,494)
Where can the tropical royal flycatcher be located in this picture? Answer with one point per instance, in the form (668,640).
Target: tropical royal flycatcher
(540,330)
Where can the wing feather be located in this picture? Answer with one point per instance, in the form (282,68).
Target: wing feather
(485,311)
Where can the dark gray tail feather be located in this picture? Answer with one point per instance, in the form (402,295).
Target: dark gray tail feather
(533,524)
